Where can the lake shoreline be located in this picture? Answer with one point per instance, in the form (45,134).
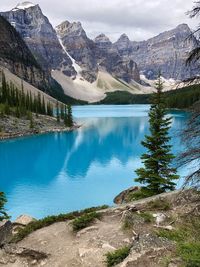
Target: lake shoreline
(58,130)
(20,127)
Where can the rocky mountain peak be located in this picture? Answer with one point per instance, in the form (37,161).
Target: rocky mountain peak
(123,38)
(24,5)
(39,35)
(72,29)
(183,27)
(123,45)
(102,38)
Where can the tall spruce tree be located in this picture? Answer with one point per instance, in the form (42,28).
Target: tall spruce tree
(157,175)
(69,116)
(3,214)
(57,112)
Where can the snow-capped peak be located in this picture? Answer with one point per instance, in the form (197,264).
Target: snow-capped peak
(23,5)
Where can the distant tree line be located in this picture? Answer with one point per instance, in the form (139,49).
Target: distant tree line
(19,103)
(64,113)
(181,98)
(14,101)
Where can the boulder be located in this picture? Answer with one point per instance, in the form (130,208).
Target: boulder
(24,220)
(122,197)
(5,232)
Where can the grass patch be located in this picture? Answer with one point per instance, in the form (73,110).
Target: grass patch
(85,220)
(159,204)
(117,256)
(33,226)
(147,216)
(190,253)
(187,238)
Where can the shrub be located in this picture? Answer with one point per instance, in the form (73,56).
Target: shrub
(84,220)
(117,256)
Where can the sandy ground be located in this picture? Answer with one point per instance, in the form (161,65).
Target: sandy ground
(96,91)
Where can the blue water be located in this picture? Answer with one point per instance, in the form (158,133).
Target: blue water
(61,172)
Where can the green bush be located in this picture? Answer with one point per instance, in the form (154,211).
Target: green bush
(117,256)
(84,220)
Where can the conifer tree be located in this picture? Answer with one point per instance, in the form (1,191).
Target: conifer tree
(69,116)
(19,103)
(157,175)
(3,214)
(30,117)
(57,112)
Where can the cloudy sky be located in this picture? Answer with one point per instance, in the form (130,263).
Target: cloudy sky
(139,19)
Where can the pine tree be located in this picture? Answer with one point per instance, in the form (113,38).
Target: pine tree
(57,112)
(157,174)
(3,214)
(30,117)
(69,120)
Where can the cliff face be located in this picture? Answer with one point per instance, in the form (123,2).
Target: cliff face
(15,55)
(95,55)
(39,35)
(166,52)
(79,46)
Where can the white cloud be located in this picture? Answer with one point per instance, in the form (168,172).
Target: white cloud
(139,19)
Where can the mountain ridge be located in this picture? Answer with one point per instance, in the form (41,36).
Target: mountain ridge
(69,51)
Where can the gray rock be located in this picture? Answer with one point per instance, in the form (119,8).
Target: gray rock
(5,232)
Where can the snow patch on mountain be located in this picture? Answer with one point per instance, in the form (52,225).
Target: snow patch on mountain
(23,5)
(168,84)
(74,64)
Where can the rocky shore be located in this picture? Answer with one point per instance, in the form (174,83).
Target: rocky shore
(12,127)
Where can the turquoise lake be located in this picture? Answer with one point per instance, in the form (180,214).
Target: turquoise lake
(61,172)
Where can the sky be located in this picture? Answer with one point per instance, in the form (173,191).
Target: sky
(139,19)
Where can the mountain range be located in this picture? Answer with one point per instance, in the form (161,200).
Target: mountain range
(65,61)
